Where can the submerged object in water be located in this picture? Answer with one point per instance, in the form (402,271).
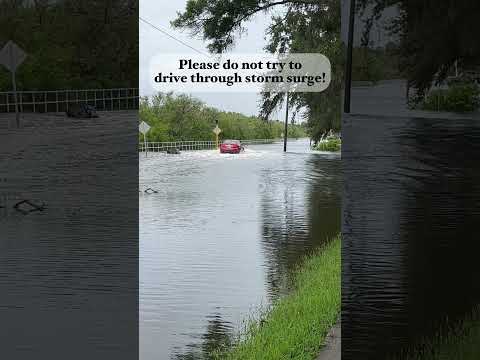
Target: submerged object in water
(173,151)
(150,191)
(82,111)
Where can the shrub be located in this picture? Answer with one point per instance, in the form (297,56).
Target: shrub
(331,144)
(457,98)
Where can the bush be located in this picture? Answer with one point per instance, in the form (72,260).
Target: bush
(331,144)
(457,98)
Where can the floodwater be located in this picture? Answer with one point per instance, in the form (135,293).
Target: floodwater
(221,235)
(72,265)
(410,230)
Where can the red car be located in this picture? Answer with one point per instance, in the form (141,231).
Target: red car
(231,147)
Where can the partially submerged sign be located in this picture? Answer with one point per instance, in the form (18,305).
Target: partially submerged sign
(217,130)
(12,56)
(144,127)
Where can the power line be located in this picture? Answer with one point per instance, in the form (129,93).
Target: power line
(171,36)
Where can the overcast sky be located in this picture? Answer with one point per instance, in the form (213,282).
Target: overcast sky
(153,42)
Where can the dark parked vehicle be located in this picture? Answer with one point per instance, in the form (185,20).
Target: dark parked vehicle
(82,111)
(173,151)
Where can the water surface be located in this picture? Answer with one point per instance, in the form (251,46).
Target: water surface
(410,230)
(221,235)
(74,265)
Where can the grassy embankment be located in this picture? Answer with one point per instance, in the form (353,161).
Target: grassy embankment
(296,326)
(462,343)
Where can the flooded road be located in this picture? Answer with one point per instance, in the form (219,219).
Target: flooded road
(221,235)
(73,264)
(409,232)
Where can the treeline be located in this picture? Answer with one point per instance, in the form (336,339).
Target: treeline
(72,44)
(182,117)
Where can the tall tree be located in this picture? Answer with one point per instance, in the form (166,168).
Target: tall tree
(72,43)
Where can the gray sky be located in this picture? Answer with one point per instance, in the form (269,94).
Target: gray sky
(153,42)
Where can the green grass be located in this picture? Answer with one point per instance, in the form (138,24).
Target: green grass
(457,98)
(461,343)
(297,324)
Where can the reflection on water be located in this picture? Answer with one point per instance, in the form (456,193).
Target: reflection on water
(298,214)
(220,237)
(410,248)
(217,335)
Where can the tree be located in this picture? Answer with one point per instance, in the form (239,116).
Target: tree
(182,117)
(307,26)
(433,36)
(72,44)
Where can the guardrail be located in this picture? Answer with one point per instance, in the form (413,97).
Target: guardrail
(259,141)
(193,145)
(61,100)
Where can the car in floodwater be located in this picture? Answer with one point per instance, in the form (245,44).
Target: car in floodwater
(231,147)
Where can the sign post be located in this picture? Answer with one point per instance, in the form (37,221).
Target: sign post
(12,56)
(15,96)
(285,136)
(144,128)
(217,131)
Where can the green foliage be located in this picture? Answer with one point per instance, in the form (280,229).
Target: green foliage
(296,326)
(374,64)
(72,44)
(433,35)
(457,98)
(330,144)
(219,21)
(182,117)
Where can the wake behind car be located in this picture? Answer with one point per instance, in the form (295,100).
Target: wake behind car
(231,147)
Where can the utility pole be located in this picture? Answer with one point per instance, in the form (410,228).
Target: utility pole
(285,133)
(145,144)
(348,65)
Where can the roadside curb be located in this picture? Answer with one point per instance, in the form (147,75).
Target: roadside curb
(333,345)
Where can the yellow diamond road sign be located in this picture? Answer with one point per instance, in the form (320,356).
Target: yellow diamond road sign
(11,56)
(144,127)
(217,130)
